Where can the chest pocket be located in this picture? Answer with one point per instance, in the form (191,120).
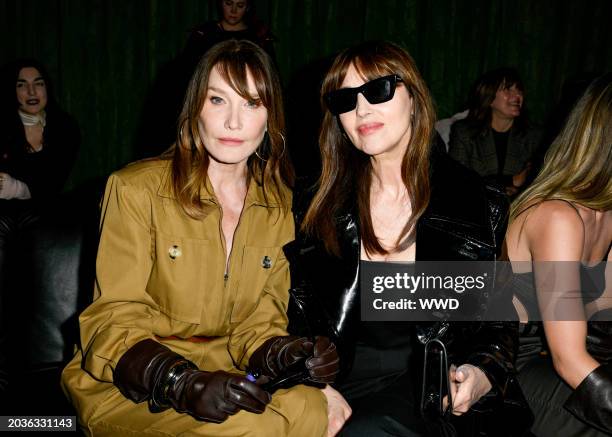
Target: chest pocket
(258,263)
(176,282)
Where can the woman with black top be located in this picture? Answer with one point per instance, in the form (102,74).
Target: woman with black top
(38,145)
(38,140)
(496,139)
(558,241)
(383,196)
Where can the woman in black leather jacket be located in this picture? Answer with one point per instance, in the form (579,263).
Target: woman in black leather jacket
(382,197)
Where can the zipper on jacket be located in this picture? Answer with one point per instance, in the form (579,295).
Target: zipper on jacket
(224,243)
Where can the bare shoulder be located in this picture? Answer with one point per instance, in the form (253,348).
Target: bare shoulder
(556,213)
(555,231)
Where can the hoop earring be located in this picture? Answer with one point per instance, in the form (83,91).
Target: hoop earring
(257,154)
(284,145)
(268,139)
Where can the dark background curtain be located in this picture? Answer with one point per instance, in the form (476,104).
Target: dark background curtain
(105,56)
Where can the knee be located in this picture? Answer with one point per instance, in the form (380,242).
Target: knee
(305,408)
(315,404)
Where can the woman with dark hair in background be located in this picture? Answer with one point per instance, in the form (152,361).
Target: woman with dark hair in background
(38,146)
(383,196)
(496,139)
(165,101)
(237,21)
(191,282)
(560,235)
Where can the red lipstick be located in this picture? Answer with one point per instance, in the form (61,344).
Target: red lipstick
(369,128)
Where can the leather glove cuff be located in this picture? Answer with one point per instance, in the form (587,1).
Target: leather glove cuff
(147,370)
(592,399)
(271,359)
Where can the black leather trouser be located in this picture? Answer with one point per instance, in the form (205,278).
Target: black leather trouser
(16,217)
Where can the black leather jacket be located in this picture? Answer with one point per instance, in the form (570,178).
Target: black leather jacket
(464,221)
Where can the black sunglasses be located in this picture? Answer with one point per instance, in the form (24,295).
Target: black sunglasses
(375,91)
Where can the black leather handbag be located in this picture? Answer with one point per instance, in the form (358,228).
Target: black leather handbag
(492,416)
(435,387)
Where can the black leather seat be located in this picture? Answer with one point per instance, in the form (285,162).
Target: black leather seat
(50,280)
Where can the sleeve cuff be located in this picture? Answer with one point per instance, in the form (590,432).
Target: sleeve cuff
(497,373)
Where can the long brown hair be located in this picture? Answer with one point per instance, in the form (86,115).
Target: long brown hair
(347,172)
(189,157)
(578,165)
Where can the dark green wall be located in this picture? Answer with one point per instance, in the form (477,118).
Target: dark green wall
(104,55)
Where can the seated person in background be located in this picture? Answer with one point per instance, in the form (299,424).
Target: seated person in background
(165,100)
(238,21)
(566,216)
(38,146)
(191,282)
(495,139)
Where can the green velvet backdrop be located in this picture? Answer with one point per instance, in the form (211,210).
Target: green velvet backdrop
(105,55)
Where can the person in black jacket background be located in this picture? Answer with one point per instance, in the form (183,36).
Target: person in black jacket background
(38,146)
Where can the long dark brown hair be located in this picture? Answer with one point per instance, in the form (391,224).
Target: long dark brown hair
(346,171)
(189,156)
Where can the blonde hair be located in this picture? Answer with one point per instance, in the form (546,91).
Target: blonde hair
(578,165)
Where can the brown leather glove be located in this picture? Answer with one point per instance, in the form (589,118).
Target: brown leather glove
(214,396)
(276,355)
(149,370)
